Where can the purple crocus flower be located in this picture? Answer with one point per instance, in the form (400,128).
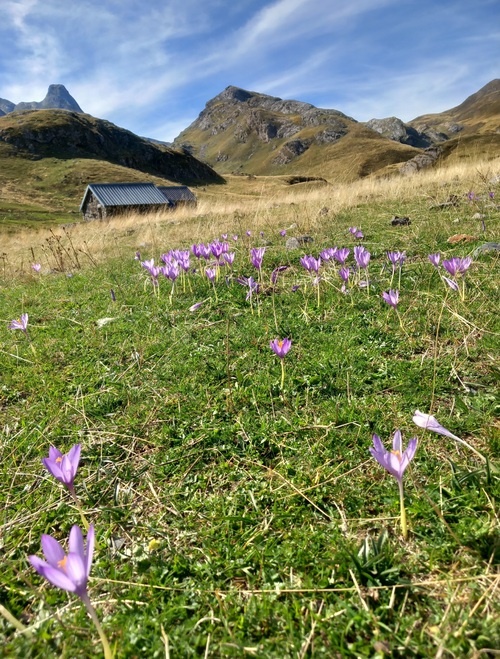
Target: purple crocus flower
(137,256)
(170,270)
(63,467)
(70,571)
(248,233)
(342,254)
(397,460)
(217,248)
(235,238)
(253,286)
(362,256)
(20,324)
(328,253)
(434,259)
(283,233)
(457,265)
(491,195)
(280,347)
(224,236)
(310,263)
(429,422)
(471,196)
(391,297)
(396,258)
(344,274)
(256,256)
(196,306)
(211,273)
(36,267)
(276,271)
(357,233)
(229,257)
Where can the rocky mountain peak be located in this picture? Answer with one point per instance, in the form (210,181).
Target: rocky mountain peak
(57,98)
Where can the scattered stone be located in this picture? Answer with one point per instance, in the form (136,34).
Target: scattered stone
(400,221)
(478,216)
(295,243)
(452,200)
(461,238)
(487,247)
(324,211)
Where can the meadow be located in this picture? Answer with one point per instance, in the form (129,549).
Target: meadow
(236,506)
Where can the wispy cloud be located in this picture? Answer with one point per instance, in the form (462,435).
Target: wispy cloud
(155,64)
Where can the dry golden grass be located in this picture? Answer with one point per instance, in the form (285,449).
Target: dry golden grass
(245,203)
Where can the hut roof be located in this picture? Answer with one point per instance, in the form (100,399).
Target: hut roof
(177,193)
(125,194)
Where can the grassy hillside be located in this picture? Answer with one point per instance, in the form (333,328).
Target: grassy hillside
(238,513)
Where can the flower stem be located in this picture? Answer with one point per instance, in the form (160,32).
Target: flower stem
(91,611)
(80,508)
(404,528)
(282,373)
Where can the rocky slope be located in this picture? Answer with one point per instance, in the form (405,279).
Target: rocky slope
(64,134)
(478,114)
(246,131)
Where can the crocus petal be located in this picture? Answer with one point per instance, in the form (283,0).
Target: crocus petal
(57,578)
(397,442)
(76,570)
(54,453)
(52,467)
(452,284)
(76,541)
(74,455)
(377,443)
(52,550)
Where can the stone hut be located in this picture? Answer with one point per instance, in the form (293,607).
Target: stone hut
(103,200)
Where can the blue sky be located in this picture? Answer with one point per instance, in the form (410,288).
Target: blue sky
(151,65)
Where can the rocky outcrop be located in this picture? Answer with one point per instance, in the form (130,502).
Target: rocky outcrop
(423,160)
(396,130)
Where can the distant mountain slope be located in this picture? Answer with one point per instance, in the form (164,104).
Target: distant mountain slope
(246,131)
(65,134)
(57,98)
(479,114)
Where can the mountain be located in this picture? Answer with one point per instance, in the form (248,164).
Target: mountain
(478,114)
(57,97)
(64,135)
(243,131)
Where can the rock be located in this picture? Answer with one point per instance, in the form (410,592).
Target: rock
(460,238)
(478,216)
(400,221)
(487,247)
(421,161)
(394,129)
(295,243)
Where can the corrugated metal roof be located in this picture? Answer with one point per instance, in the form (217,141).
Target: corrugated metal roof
(177,193)
(125,194)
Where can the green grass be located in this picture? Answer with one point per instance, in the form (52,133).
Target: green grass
(276,534)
